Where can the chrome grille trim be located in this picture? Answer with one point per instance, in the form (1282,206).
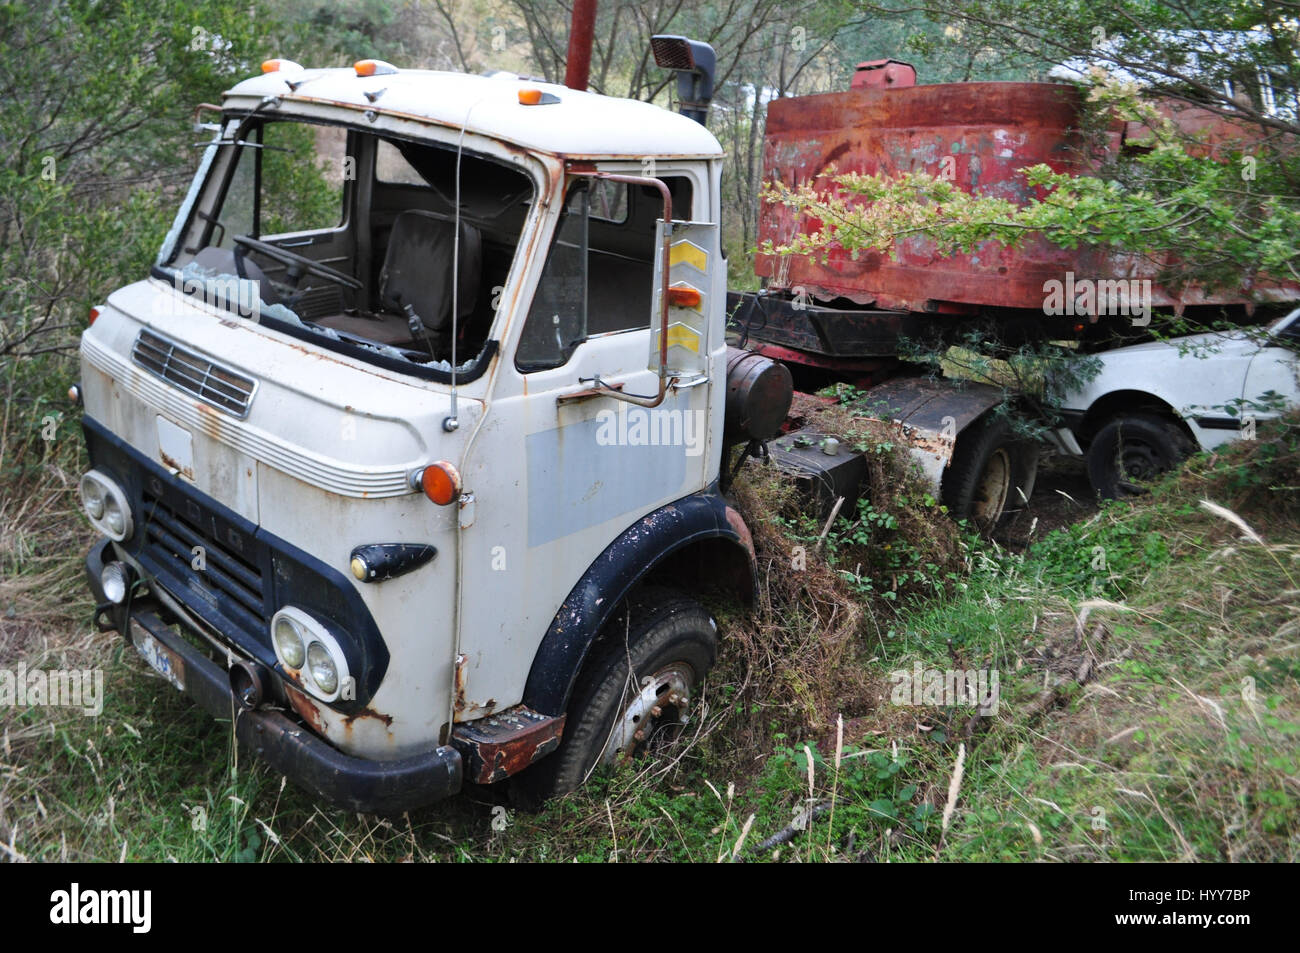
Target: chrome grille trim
(182,368)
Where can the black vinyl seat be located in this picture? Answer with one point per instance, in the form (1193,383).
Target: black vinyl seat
(418,266)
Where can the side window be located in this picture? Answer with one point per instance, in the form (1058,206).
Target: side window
(599,273)
(240,206)
(609,200)
(557,320)
(391,167)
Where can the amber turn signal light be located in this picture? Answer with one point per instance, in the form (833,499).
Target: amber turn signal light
(373,68)
(440,482)
(683,297)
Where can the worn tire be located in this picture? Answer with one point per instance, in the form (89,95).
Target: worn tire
(1132,450)
(991,474)
(659,630)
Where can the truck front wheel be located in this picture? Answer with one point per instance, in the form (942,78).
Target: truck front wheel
(991,473)
(634,695)
(1133,450)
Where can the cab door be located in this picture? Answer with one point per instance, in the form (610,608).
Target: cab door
(558,469)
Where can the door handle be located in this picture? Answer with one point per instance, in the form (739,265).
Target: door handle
(588,392)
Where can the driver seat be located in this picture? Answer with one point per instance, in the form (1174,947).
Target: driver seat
(418,268)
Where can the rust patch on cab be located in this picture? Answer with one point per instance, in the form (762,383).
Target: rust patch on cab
(350,720)
(307,709)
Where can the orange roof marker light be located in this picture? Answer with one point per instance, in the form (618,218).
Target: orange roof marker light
(280,66)
(528,96)
(373,68)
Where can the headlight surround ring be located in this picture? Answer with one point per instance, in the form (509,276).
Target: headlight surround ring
(106,505)
(322,655)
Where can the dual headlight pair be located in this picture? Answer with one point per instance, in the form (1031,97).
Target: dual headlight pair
(310,655)
(106,504)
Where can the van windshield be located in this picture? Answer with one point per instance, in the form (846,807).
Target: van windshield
(352,239)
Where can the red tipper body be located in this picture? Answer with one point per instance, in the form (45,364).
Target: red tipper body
(981,135)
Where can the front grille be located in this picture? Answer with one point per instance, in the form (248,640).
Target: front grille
(184,369)
(189,546)
(241,574)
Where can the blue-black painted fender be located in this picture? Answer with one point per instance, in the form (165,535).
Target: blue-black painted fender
(603,587)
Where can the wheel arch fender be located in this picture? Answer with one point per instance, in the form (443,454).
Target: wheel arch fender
(1116,403)
(695,532)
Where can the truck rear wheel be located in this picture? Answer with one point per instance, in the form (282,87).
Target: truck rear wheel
(634,694)
(1133,450)
(991,474)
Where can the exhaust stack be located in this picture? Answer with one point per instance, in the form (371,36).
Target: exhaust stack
(582,27)
(695,64)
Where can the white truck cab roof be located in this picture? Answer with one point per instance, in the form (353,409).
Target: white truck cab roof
(568,122)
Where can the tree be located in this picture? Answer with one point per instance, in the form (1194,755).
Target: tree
(95,150)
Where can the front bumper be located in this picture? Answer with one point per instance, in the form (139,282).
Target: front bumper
(358,784)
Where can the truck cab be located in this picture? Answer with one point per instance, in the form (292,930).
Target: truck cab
(406,453)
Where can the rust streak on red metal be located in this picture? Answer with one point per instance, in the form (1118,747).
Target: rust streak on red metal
(503,744)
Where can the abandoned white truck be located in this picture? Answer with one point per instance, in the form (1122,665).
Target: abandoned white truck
(403,476)
(408,456)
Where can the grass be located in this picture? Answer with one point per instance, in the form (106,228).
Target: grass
(1148,705)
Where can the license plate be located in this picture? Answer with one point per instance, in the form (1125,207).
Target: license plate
(160,658)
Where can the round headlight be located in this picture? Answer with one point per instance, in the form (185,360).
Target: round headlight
(288,642)
(106,504)
(114,518)
(92,498)
(323,670)
(115,579)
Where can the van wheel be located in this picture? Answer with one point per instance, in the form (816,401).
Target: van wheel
(1131,451)
(634,695)
(991,474)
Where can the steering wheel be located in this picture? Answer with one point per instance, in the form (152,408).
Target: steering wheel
(297,264)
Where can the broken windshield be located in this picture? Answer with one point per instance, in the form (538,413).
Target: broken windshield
(352,239)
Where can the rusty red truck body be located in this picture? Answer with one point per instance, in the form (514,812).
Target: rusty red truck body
(980,136)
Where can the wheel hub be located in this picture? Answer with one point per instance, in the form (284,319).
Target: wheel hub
(994,486)
(1139,464)
(655,714)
